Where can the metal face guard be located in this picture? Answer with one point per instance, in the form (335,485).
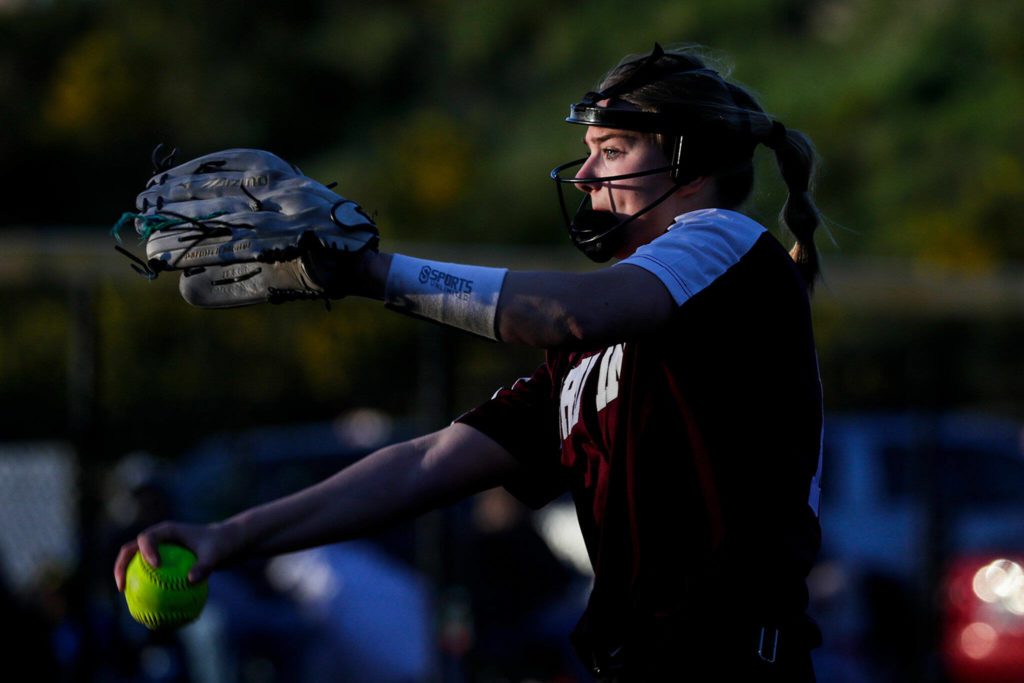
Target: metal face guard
(598,234)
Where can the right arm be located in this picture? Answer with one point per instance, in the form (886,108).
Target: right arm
(390,485)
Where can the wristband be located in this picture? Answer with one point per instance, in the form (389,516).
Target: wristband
(462,296)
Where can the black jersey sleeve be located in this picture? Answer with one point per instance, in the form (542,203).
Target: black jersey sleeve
(523,419)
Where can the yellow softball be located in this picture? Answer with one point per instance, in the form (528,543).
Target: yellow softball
(162,597)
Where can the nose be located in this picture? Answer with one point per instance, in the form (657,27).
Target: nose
(586,172)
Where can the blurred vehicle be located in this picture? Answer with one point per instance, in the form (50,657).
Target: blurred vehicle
(983,629)
(913,506)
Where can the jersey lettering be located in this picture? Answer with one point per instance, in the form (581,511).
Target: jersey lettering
(609,364)
(608,377)
(572,395)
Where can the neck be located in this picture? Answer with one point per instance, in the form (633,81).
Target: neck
(661,218)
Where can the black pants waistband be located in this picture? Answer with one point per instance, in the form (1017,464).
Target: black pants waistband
(760,652)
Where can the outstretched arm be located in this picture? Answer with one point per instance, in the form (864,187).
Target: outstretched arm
(590,310)
(244,226)
(545,309)
(386,487)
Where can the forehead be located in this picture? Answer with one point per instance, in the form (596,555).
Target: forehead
(597,135)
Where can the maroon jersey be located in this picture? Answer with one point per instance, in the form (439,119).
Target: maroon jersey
(691,454)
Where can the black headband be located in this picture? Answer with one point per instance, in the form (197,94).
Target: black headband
(588,113)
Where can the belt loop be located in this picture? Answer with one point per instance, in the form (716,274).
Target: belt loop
(774,646)
(607,663)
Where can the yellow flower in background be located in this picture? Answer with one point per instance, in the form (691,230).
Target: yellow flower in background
(93,88)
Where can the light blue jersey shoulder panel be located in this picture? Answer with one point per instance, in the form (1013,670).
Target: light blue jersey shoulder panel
(697,250)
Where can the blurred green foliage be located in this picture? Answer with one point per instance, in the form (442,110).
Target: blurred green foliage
(164,374)
(443,117)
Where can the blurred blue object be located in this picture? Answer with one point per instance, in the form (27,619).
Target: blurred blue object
(371,616)
(350,611)
(903,496)
(341,612)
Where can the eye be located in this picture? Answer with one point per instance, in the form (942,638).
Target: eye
(610,153)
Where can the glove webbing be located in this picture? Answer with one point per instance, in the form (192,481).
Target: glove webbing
(150,224)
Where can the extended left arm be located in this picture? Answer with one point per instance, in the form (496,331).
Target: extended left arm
(555,309)
(545,309)
(244,226)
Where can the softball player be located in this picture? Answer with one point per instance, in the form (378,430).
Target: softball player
(679,401)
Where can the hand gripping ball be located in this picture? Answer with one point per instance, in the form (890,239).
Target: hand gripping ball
(162,597)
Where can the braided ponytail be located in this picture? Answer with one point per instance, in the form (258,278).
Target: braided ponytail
(796,159)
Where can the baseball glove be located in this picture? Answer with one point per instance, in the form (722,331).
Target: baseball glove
(318,272)
(216,218)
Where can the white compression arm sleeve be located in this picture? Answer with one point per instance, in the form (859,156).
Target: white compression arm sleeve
(462,296)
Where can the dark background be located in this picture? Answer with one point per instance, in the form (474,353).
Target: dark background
(443,119)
